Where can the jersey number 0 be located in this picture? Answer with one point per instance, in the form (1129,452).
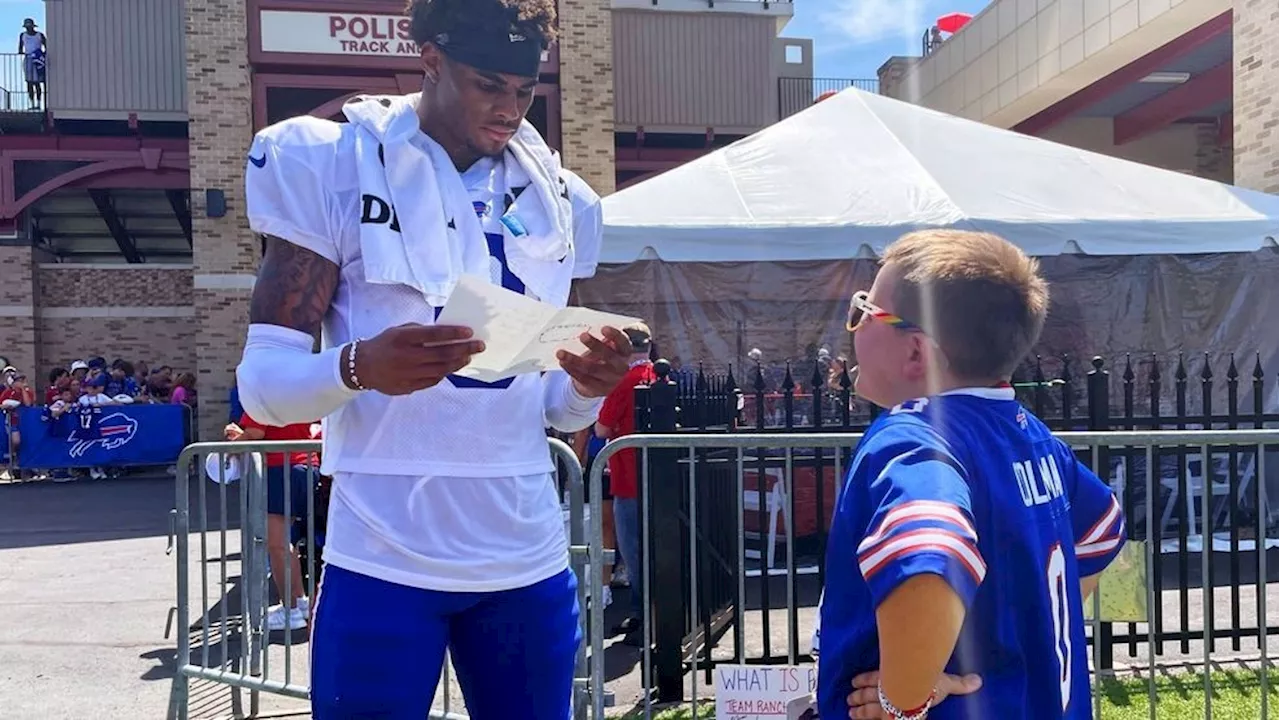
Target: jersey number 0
(1056,574)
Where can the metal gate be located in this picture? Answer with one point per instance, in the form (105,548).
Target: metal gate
(673,493)
(228,526)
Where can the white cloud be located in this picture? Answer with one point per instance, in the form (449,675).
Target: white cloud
(860,22)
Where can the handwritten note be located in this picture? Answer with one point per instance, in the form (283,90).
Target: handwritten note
(765,692)
(521,335)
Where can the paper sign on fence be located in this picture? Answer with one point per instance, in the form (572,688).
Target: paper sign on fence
(765,692)
(1122,587)
(521,335)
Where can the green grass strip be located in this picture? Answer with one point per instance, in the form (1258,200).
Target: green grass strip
(1180,697)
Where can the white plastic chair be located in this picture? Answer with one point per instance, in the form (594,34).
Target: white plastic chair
(1219,490)
(775,503)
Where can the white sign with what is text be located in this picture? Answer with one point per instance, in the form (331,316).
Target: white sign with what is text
(765,692)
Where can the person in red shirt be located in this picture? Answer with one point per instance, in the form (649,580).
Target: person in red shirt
(294,612)
(618,418)
(17,394)
(59,380)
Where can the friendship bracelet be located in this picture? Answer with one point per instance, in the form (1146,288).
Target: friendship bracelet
(919,713)
(351,365)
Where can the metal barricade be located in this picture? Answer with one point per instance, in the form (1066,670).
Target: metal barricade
(234,648)
(677,462)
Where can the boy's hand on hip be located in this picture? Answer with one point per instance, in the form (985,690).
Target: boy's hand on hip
(864,701)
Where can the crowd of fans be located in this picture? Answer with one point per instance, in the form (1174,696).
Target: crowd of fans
(94,382)
(90,382)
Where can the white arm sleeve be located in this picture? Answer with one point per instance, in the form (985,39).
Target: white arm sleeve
(281,382)
(566,410)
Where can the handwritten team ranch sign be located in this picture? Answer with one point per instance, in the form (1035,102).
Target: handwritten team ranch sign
(765,692)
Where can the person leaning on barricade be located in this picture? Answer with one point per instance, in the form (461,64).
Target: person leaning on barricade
(286,473)
(966,536)
(60,414)
(617,419)
(445,527)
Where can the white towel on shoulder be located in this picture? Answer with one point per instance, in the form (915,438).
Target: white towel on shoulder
(418,227)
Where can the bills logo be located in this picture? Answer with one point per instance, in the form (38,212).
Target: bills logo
(112,431)
(1021,419)
(481,209)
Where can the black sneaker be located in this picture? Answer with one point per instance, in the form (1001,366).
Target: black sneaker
(635,638)
(626,627)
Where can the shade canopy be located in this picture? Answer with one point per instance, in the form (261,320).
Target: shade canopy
(849,175)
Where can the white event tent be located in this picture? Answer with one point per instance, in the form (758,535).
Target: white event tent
(857,170)
(760,244)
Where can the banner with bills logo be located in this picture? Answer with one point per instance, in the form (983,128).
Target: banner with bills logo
(107,436)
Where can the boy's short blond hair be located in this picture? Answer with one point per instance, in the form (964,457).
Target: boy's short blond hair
(977,295)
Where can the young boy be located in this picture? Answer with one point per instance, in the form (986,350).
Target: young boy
(966,533)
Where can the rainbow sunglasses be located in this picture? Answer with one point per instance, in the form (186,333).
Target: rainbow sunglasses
(861,308)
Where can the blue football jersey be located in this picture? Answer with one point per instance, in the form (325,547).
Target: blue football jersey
(971,487)
(85,419)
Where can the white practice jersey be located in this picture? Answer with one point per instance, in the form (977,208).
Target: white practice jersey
(449,488)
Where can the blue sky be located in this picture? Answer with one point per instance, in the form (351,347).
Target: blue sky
(12,13)
(851,38)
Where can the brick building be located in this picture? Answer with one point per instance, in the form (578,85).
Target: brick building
(1188,85)
(122,225)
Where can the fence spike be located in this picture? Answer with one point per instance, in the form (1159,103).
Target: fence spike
(846,382)
(701,381)
(817,380)
(1180,374)
(788,384)
(1038,376)
(1233,375)
(1206,372)
(1258,375)
(1128,369)
(730,384)
(759,383)
(1155,369)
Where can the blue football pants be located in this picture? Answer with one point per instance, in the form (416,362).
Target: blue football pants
(378,648)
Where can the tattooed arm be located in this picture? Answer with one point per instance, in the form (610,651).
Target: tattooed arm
(281,381)
(294,288)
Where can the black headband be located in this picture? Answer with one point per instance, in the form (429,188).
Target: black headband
(505,51)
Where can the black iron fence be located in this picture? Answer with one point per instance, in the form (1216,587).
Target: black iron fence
(1143,394)
(799,93)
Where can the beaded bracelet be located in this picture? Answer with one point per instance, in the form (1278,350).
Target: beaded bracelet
(351,365)
(919,713)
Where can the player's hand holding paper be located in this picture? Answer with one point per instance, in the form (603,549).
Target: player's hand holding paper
(521,335)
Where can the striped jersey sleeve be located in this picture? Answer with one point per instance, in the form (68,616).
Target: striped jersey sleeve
(1098,522)
(921,520)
